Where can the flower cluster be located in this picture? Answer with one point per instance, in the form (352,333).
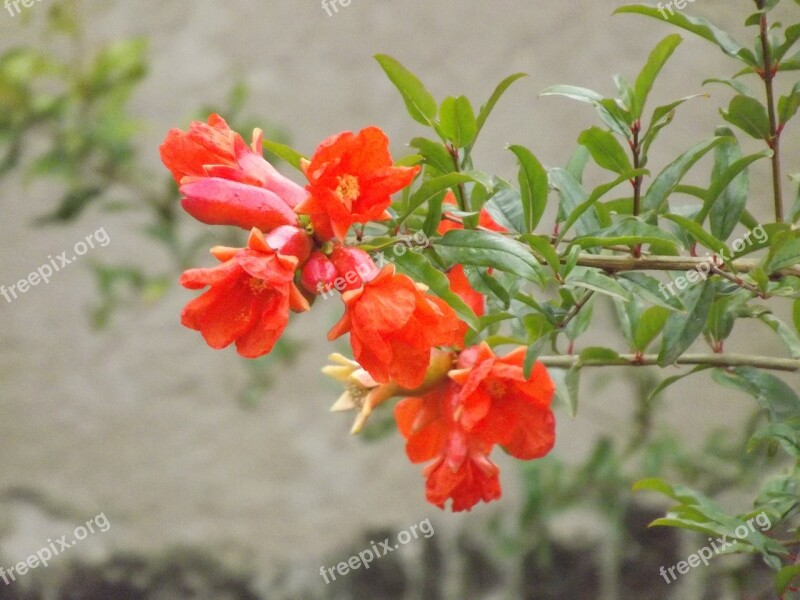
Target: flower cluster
(459,402)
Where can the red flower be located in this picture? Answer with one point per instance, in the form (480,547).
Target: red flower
(225,182)
(351,178)
(393,326)
(251,292)
(462,470)
(461,286)
(485,401)
(502,407)
(186,153)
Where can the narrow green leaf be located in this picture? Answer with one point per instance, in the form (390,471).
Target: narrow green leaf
(629,232)
(501,88)
(749,115)
(597,193)
(419,102)
(662,116)
(542,246)
(772,393)
(789,105)
(534,186)
(597,281)
(430,189)
(682,329)
(505,207)
(435,154)
(785,577)
(700,234)
(655,62)
(796,315)
(457,121)
(697,25)
(486,249)
(572,195)
(650,324)
(666,181)
(605,149)
(287,153)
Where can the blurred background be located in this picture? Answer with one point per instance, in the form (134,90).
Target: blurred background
(223,478)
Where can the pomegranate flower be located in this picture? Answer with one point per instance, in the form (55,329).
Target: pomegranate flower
(226,182)
(503,407)
(462,470)
(393,326)
(351,178)
(485,401)
(250,293)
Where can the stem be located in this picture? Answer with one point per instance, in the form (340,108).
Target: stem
(637,181)
(714,360)
(620,263)
(462,191)
(774,141)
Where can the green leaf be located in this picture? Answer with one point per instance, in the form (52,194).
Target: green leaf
(572,195)
(505,207)
(597,193)
(578,325)
(501,88)
(457,120)
(772,393)
(735,84)
(650,324)
(648,288)
(486,249)
(666,181)
(567,388)
(792,36)
(727,195)
(699,26)
(662,116)
(605,149)
(597,281)
(435,154)
(682,329)
(796,315)
(419,102)
(542,246)
(287,153)
(604,106)
(673,379)
(419,268)
(655,62)
(534,186)
(628,233)
(430,189)
(785,577)
(788,255)
(700,234)
(788,105)
(749,115)
(786,333)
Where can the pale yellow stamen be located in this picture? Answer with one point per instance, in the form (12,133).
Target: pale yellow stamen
(348,189)
(257,285)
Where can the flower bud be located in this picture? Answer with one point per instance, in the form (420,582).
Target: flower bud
(290,241)
(354,265)
(318,274)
